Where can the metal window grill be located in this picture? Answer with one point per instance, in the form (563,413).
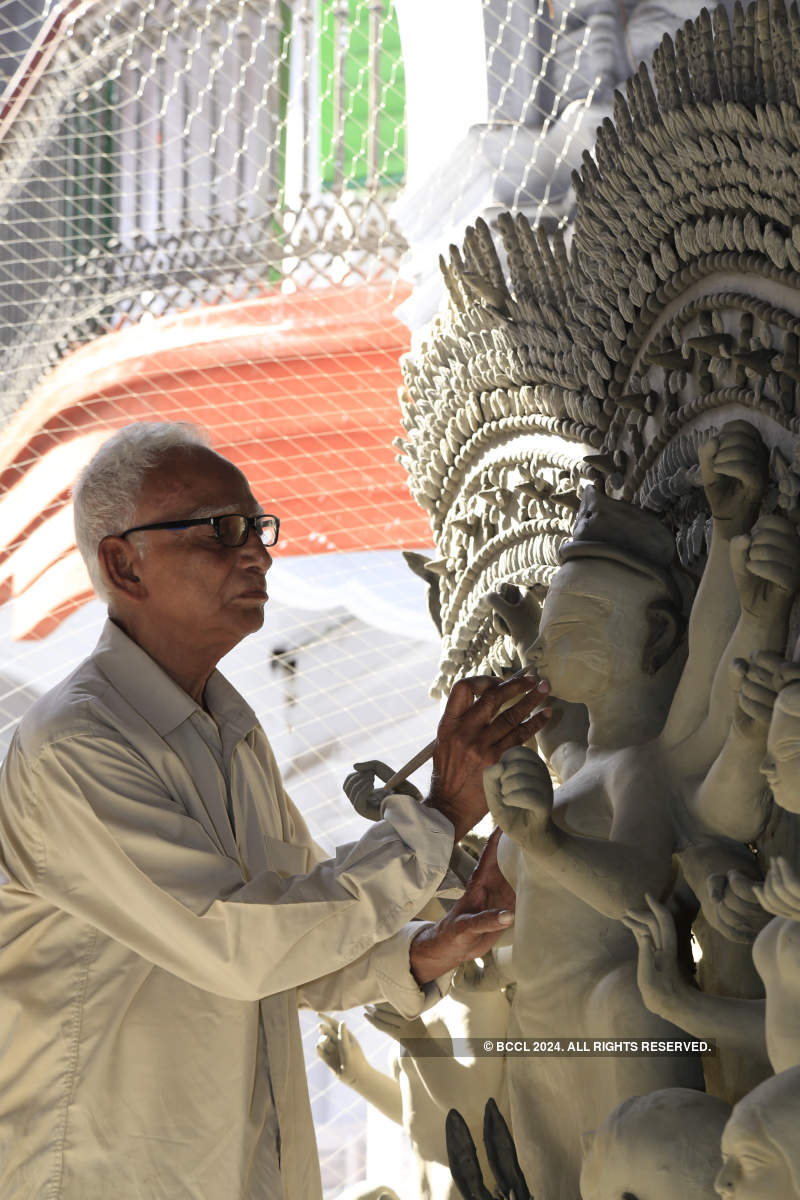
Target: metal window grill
(176,175)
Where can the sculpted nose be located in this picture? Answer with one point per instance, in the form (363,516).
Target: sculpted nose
(533,654)
(767,767)
(725,1182)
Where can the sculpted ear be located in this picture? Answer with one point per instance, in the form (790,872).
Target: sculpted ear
(665,627)
(118,560)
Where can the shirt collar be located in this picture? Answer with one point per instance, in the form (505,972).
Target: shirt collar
(158,698)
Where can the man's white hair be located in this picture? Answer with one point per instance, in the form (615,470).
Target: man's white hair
(106,493)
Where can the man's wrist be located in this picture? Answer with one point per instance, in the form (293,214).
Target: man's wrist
(451,813)
(420,969)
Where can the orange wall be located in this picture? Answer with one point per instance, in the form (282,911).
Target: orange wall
(300,391)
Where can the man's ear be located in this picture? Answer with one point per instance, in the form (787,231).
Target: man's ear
(665,627)
(118,561)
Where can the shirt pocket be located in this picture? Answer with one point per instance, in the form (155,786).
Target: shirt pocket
(285,858)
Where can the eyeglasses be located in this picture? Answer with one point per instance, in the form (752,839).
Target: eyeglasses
(232,529)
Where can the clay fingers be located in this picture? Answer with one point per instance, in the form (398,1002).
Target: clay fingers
(780,892)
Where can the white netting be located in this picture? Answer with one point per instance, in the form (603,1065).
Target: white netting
(207,207)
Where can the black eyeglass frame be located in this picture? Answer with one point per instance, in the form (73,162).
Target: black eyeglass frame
(252,523)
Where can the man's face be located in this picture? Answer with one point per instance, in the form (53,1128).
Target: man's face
(196,586)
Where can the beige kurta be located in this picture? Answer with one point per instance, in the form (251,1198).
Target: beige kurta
(151,957)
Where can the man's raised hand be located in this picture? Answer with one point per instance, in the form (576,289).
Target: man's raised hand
(482,719)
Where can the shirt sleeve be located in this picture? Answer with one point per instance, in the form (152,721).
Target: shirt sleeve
(383,974)
(90,828)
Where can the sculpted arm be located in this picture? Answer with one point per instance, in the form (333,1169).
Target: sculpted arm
(342,1053)
(448,1082)
(766,567)
(733,467)
(666,991)
(733,799)
(724,877)
(445,1080)
(612,875)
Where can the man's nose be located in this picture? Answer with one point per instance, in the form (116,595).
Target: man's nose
(767,767)
(254,550)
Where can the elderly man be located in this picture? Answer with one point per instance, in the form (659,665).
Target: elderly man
(166,909)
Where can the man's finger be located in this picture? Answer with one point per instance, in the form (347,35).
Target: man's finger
(526,730)
(476,925)
(512,715)
(463,694)
(520,689)
(487,885)
(487,861)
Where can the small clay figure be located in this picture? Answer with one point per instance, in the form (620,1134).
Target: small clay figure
(427,1079)
(663,1146)
(760,1146)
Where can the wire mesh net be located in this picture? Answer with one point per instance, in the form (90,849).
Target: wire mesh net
(211,211)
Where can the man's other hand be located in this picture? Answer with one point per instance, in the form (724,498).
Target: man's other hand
(472,926)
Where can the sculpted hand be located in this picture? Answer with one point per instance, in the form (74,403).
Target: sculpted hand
(472,925)
(780,892)
(473,733)
(366,799)
(517,613)
(756,684)
(404,1030)
(734,469)
(733,907)
(339,1050)
(658,973)
(766,567)
(483,976)
(519,793)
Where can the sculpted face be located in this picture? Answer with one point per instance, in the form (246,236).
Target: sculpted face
(625,1170)
(753,1166)
(661,1146)
(593,629)
(781,765)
